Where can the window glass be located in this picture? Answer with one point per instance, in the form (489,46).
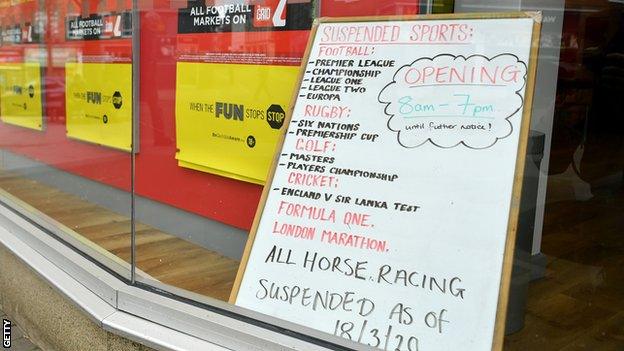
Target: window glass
(66,121)
(206,143)
(217,78)
(568,293)
(158,125)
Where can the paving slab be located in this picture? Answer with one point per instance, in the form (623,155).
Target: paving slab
(19,341)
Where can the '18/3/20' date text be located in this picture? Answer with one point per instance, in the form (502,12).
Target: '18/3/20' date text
(382,338)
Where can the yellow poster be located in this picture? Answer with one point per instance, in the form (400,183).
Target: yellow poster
(99,103)
(443,6)
(20,94)
(229,116)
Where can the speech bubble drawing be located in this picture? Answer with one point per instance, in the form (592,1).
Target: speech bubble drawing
(450,100)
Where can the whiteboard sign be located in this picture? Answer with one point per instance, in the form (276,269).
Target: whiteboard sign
(389,217)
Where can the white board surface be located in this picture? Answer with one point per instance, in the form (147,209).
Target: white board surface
(386,219)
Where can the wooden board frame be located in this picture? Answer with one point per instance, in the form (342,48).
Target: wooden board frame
(512,225)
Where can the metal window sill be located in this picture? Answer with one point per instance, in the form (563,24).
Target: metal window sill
(95,307)
(134,313)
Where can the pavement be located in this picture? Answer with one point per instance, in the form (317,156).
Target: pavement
(19,340)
